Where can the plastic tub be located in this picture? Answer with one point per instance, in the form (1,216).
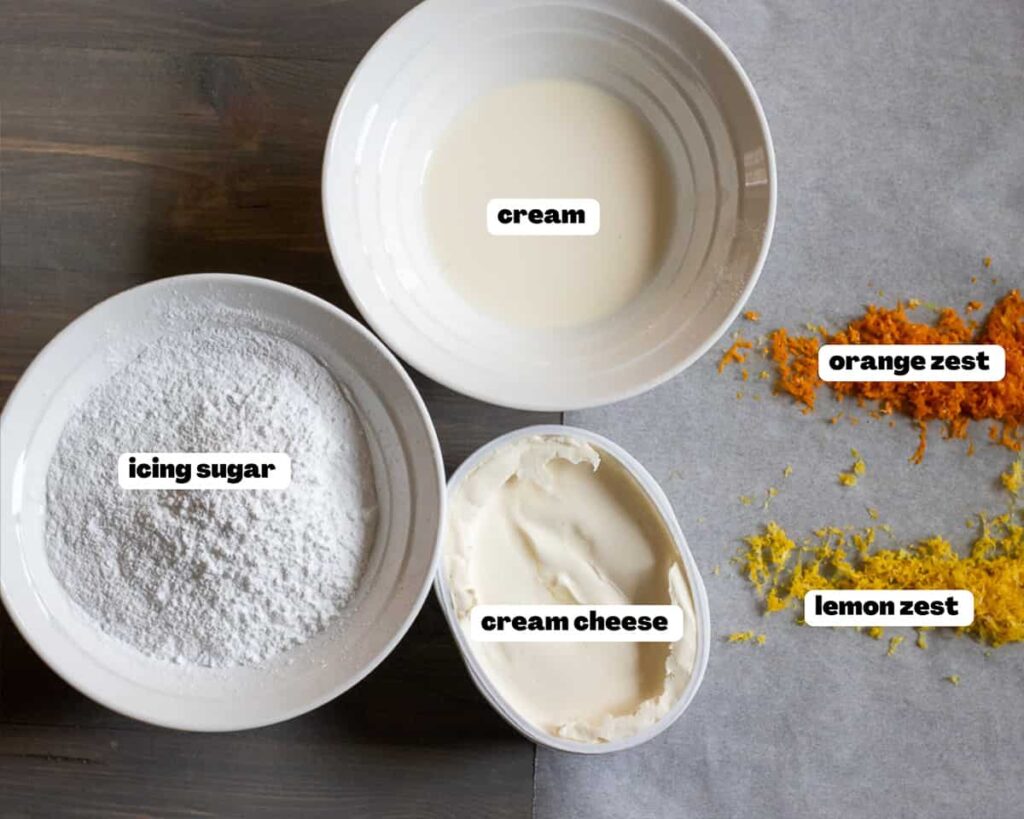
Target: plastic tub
(700,601)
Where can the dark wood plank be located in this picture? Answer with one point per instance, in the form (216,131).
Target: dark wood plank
(414,739)
(143,140)
(270,774)
(158,164)
(330,30)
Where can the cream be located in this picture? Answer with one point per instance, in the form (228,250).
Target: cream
(550,519)
(557,139)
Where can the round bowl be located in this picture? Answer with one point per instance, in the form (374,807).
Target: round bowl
(702,609)
(407,471)
(655,55)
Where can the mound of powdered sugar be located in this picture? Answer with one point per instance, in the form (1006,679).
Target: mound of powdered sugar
(212,577)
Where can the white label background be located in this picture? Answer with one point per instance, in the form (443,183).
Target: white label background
(965,600)
(672,633)
(590,207)
(996,371)
(278,478)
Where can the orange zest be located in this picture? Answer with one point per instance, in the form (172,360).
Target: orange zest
(735,353)
(955,404)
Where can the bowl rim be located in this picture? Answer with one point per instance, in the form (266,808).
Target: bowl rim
(66,669)
(410,352)
(695,581)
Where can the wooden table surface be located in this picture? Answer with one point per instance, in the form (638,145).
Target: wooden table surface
(141,139)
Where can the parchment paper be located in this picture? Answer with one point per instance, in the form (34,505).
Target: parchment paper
(899,133)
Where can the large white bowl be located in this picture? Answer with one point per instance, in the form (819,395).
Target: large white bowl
(701,608)
(408,475)
(656,55)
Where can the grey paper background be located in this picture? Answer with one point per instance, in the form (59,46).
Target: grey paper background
(899,135)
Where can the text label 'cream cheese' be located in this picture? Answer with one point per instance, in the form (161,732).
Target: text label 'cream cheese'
(574,624)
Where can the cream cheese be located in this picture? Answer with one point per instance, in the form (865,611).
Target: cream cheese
(551,519)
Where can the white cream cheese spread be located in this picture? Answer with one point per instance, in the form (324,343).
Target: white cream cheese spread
(551,519)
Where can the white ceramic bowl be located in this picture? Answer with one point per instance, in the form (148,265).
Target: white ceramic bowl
(656,55)
(408,474)
(700,598)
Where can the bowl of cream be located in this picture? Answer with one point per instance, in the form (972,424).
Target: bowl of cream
(554,516)
(549,206)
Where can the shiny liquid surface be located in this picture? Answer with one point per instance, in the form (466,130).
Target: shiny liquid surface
(549,139)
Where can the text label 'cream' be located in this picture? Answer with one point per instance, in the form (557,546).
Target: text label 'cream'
(543,217)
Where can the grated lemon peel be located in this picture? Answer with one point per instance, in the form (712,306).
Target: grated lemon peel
(747,637)
(782,572)
(1013,478)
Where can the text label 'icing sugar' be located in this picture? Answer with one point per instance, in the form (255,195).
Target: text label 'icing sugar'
(204,470)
